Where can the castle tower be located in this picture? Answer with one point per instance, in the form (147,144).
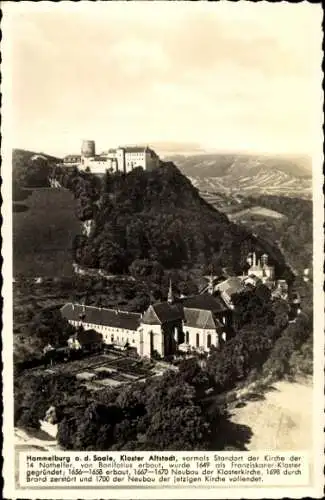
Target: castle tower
(88,149)
(170,296)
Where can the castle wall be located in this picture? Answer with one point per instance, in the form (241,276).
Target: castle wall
(151,163)
(134,160)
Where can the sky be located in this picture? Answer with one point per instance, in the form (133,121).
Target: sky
(226,76)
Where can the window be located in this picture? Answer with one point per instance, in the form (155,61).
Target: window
(112,338)
(197,340)
(209,341)
(187,337)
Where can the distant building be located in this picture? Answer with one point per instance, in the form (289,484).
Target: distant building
(281,290)
(306,275)
(194,323)
(261,268)
(230,287)
(72,160)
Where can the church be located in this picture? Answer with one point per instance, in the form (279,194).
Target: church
(191,324)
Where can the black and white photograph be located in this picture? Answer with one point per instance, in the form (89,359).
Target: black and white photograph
(162,238)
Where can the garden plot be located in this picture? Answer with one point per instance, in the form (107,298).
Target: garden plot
(131,367)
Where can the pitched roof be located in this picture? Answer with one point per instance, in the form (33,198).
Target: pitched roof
(72,157)
(162,312)
(133,149)
(231,285)
(200,319)
(206,302)
(101,316)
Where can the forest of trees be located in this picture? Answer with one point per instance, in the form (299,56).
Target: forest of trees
(154,217)
(158,218)
(164,413)
(30,173)
(295,233)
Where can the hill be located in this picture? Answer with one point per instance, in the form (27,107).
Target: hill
(160,216)
(44,226)
(248,174)
(26,155)
(30,170)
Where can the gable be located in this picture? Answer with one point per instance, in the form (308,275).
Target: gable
(150,317)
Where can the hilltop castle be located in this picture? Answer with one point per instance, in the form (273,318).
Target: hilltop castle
(122,159)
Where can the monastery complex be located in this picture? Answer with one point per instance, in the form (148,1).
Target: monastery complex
(188,324)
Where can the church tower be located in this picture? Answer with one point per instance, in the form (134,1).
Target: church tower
(170,296)
(211,284)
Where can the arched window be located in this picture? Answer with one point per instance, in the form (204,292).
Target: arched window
(209,341)
(151,341)
(187,337)
(197,340)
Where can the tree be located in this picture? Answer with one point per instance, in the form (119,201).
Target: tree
(178,428)
(191,373)
(50,327)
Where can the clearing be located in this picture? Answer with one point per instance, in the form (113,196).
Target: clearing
(281,419)
(256,212)
(43,231)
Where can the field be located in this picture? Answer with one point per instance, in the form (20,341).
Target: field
(43,230)
(248,174)
(254,213)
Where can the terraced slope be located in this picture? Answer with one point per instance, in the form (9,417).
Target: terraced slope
(248,174)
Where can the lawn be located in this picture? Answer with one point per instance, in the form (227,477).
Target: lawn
(43,232)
